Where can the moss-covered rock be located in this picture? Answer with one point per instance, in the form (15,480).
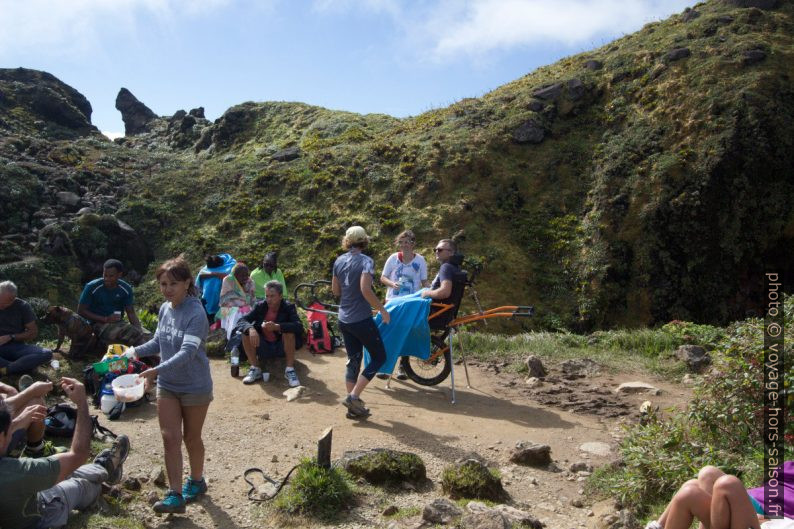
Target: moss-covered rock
(472,479)
(383,466)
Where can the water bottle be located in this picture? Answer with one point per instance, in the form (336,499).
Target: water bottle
(108,399)
(235,362)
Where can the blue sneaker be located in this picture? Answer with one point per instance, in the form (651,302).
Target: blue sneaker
(172,503)
(193,488)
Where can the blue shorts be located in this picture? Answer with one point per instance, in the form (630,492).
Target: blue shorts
(757,506)
(267,349)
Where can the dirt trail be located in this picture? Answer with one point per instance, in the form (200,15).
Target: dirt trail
(255,426)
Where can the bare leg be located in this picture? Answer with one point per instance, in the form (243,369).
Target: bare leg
(194,422)
(250,351)
(169,411)
(356,390)
(730,505)
(288,341)
(689,502)
(707,476)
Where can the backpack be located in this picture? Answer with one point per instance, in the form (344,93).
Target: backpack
(94,383)
(320,338)
(62,418)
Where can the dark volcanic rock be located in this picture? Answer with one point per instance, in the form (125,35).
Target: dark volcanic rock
(677,54)
(575,89)
(753,56)
(197,112)
(287,154)
(47,101)
(529,132)
(136,115)
(760,4)
(689,14)
(593,64)
(547,92)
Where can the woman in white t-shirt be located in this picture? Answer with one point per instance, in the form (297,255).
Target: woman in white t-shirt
(405,272)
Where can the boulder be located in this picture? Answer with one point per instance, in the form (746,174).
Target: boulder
(677,54)
(67,198)
(593,64)
(596,448)
(178,115)
(472,479)
(548,92)
(535,367)
(760,4)
(286,155)
(379,466)
(581,466)
(136,115)
(631,388)
(575,89)
(696,358)
(753,56)
(491,519)
(531,454)
(518,517)
(689,14)
(529,132)
(441,511)
(535,105)
(197,112)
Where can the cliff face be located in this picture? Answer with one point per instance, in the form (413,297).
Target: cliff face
(644,181)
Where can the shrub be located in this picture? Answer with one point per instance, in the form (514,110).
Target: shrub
(315,491)
(148,319)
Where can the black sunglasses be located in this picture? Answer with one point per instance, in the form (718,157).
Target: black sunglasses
(436,250)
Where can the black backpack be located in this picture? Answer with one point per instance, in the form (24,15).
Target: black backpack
(62,418)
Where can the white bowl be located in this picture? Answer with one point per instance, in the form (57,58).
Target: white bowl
(127,388)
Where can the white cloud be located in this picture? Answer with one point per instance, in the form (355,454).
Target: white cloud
(481,26)
(69,26)
(340,6)
(113,135)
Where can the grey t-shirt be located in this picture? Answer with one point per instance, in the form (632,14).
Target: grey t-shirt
(180,338)
(14,318)
(348,267)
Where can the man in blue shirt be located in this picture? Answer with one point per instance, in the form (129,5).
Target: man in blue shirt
(105,300)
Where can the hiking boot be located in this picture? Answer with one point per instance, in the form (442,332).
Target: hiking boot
(173,503)
(355,406)
(192,489)
(401,373)
(25,381)
(47,449)
(292,377)
(112,459)
(254,374)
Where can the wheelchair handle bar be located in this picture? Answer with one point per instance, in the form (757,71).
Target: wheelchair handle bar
(309,290)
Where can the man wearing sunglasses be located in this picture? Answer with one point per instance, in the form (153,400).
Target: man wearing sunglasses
(441,287)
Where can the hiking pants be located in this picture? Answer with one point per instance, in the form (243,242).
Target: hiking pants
(79,491)
(358,335)
(18,357)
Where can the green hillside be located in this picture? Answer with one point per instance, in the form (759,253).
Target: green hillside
(647,180)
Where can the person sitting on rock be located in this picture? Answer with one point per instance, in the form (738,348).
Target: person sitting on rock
(104,302)
(26,434)
(209,280)
(17,326)
(43,492)
(272,329)
(237,297)
(720,501)
(269,271)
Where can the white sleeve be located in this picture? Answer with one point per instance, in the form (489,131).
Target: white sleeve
(422,269)
(388,268)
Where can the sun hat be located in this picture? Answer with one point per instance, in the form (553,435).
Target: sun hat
(356,234)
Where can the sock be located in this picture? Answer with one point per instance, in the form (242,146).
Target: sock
(36,447)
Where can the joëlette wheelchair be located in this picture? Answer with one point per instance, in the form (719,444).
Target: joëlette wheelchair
(443,321)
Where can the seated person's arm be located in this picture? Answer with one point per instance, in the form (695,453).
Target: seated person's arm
(130,310)
(81,440)
(83,311)
(36,390)
(30,332)
(293,324)
(442,292)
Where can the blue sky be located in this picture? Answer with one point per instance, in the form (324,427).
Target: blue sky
(388,56)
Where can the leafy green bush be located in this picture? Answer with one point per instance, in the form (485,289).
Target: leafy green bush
(315,491)
(147,319)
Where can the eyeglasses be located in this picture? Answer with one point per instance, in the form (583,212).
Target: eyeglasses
(436,250)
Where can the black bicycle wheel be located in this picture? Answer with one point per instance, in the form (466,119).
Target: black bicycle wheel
(429,372)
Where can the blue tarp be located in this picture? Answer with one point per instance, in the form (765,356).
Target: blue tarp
(210,287)
(408,333)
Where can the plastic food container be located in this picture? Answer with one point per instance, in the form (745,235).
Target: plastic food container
(128,388)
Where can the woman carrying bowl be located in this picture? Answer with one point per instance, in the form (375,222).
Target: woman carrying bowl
(184,384)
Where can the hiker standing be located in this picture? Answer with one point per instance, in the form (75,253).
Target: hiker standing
(352,283)
(184,384)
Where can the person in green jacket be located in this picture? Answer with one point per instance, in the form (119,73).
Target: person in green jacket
(269,271)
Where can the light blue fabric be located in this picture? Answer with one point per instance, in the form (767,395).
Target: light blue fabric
(210,287)
(408,333)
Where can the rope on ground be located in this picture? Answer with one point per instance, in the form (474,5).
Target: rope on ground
(252,493)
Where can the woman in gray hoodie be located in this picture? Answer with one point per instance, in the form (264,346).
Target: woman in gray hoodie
(184,385)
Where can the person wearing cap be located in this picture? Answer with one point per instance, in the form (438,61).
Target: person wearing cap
(269,271)
(353,274)
(104,302)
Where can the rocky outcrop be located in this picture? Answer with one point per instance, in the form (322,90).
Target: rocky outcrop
(760,4)
(43,105)
(136,115)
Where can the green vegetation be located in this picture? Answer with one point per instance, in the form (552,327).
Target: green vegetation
(388,467)
(722,425)
(315,491)
(472,480)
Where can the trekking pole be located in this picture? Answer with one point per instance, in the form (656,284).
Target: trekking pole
(463,357)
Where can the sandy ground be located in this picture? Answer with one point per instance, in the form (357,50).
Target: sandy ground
(255,426)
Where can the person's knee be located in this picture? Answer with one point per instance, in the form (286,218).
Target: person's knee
(728,484)
(688,490)
(172,437)
(709,473)
(193,441)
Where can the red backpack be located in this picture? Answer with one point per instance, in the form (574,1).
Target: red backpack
(320,338)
